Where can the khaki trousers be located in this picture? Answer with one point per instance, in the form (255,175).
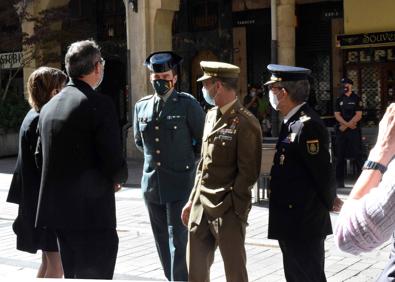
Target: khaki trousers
(227,232)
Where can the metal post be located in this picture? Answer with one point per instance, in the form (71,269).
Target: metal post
(273,6)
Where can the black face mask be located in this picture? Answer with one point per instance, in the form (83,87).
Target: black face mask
(162,86)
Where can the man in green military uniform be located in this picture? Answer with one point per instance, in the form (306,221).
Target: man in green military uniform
(168,128)
(302,179)
(218,207)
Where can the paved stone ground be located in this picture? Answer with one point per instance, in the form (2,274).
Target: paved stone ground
(137,257)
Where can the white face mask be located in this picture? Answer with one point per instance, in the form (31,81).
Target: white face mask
(209,99)
(273,100)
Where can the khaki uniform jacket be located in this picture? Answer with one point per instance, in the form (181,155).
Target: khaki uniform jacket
(230,165)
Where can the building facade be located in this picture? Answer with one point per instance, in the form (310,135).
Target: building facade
(334,38)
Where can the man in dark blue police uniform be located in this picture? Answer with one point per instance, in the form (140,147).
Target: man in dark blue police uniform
(348,113)
(302,182)
(168,128)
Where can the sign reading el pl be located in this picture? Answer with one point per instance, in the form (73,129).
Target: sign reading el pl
(370,55)
(10,60)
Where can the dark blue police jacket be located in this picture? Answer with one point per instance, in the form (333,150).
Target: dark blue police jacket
(171,145)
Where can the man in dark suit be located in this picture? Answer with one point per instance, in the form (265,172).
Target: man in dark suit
(82,164)
(168,128)
(302,178)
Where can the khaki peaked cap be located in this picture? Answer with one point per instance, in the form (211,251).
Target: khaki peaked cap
(218,69)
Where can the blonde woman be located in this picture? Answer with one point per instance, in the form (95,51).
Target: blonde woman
(43,84)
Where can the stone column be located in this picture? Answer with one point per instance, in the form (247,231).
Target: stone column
(150,30)
(286,22)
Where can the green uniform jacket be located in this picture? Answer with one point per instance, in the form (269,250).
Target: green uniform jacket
(171,145)
(230,165)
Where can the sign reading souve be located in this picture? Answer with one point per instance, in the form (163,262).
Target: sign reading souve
(366,40)
(10,60)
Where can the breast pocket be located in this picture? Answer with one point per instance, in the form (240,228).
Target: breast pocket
(222,149)
(176,128)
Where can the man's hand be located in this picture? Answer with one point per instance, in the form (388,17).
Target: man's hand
(117,187)
(342,127)
(186,210)
(352,125)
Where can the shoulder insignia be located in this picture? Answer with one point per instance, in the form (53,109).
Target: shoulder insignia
(313,146)
(304,118)
(245,112)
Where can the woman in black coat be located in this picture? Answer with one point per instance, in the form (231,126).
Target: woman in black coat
(42,85)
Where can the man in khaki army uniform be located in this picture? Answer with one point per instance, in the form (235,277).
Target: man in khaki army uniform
(218,207)
(302,179)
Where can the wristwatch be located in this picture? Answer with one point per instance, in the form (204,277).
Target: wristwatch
(374,165)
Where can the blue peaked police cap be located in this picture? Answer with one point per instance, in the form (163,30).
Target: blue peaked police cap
(162,61)
(286,73)
(345,80)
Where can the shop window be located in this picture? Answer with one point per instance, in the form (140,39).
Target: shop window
(321,99)
(370,94)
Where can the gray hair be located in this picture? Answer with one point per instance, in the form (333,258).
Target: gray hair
(298,91)
(81,58)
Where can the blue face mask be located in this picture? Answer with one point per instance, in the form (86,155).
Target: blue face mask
(162,86)
(206,95)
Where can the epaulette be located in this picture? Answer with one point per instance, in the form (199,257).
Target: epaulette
(304,117)
(245,112)
(145,98)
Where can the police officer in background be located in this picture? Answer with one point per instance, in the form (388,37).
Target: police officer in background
(348,113)
(218,208)
(302,180)
(168,128)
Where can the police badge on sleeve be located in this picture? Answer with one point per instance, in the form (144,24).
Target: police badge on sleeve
(313,146)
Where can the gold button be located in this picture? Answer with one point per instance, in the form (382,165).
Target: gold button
(158,163)
(175,127)
(223,143)
(156,139)
(290,206)
(156,127)
(231,188)
(158,151)
(187,167)
(203,181)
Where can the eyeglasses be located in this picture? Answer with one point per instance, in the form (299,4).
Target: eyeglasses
(101,61)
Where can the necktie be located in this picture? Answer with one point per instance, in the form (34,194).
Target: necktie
(158,106)
(219,114)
